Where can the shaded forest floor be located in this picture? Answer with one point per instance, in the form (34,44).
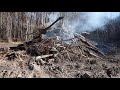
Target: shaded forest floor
(12,44)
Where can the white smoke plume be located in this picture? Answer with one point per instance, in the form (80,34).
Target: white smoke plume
(84,21)
(96,19)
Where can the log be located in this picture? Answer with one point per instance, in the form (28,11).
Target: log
(43,56)
(11,56)
(95,50)
(83,40)
(89,45)
(19,47)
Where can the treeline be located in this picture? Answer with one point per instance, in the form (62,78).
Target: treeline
(110,33)
(14,25)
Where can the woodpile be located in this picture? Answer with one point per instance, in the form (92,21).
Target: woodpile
(52,47)
(44,48)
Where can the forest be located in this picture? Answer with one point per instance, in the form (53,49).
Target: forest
(59,45)
(15,24)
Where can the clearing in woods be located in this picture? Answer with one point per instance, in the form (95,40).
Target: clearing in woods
(12,44)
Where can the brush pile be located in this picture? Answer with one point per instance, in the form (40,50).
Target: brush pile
(51,58)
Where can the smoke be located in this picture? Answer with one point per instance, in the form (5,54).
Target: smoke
(83,21)
(96,20)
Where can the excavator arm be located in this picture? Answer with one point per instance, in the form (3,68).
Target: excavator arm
(43,31)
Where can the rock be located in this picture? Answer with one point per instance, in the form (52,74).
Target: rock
(31,67)
(19,76)
(53,50)
(11,56)
(85,76)
(77,66)
(1,49)
(36,67)
(104,66)
(109,72)
(40,62)
(78,75)
(93,62)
